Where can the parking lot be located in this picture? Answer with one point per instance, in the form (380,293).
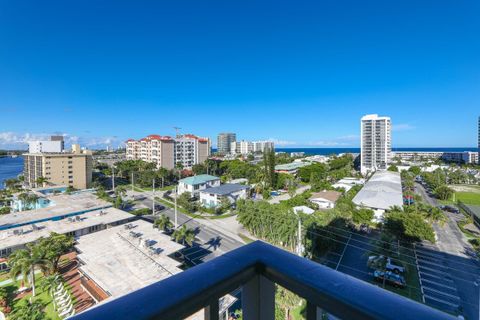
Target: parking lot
(439,289)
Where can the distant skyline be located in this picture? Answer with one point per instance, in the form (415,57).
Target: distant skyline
(301,73)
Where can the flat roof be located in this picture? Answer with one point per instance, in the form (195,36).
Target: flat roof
(28,234)
(120,263)
(62,204)
(382,191)
(225,189)
(292,165)
(201,178)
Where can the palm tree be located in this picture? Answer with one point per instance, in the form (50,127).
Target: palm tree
(29,311)
(286,300)
(163,223)
(50,283)
(42,181)
(184,235)
(24,261)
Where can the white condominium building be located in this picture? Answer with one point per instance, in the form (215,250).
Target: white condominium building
(246,147)
(166,151)
(376,143)
(55,144)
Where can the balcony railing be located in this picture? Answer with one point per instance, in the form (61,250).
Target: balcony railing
(255,268)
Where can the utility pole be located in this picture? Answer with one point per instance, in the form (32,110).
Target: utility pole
(132,181)
(153,198)
(162,184)
(113,178)
(177,131)
(299,240)
(176,196)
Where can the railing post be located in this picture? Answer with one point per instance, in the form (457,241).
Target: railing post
(211,311)
(258,299)
(313,312)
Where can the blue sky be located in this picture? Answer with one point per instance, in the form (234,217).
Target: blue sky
(299,72)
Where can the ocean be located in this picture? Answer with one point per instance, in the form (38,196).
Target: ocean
(328,151)
(10,168)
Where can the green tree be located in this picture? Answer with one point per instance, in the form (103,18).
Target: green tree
(408,226)
(41,181)
(415,170)
(29,311)
(363,216)
(50,283)
(185,201)
(443,192)
(184,235)
(24,261)
(54,246)
(199,168)
(163,223)
(393,168)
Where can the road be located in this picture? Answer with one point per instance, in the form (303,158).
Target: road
(447,269)
(212,238)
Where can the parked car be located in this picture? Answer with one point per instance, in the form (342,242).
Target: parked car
(451,209)
(365,228)
(390,264)
(390,278)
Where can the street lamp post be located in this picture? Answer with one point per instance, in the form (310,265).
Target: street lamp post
(153,197)
(176,196)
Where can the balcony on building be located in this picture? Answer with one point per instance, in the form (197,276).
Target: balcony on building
(255,269)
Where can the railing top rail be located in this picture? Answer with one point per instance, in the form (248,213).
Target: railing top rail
(185,293)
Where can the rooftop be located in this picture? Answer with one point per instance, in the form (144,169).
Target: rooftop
(382,191)
(63,205)
(28,234)
(327,195)
(121,263)
(225,189)
(291,166)
(199,179)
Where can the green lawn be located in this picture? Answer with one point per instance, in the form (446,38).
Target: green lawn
(40,295)
(468,198)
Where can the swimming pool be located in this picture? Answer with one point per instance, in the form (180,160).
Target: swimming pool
(18,205)
(53,190)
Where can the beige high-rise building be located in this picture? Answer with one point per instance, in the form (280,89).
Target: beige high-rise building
(72,169)
(166,151)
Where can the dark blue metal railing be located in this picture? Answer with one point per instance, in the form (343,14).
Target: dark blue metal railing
(255,268)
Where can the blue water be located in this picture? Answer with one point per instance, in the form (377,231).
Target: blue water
(328,151)
(10,168)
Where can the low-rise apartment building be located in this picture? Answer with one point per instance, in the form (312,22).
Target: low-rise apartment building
(212,197)
(72,169)
(166,152)
(197,183)
(467,157)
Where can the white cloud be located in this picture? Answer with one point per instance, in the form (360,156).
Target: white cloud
(12,140)
(402,127)
(279,142)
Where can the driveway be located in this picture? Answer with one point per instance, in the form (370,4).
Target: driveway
(286,196)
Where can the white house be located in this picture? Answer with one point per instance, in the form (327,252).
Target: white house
(196,183)
(325,199)
(211,197)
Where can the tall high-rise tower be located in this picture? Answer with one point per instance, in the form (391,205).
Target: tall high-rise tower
(376,143)
(224,141)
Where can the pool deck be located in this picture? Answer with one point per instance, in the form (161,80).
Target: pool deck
(64,204)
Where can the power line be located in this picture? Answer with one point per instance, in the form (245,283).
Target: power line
(408,263)
(389,250)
